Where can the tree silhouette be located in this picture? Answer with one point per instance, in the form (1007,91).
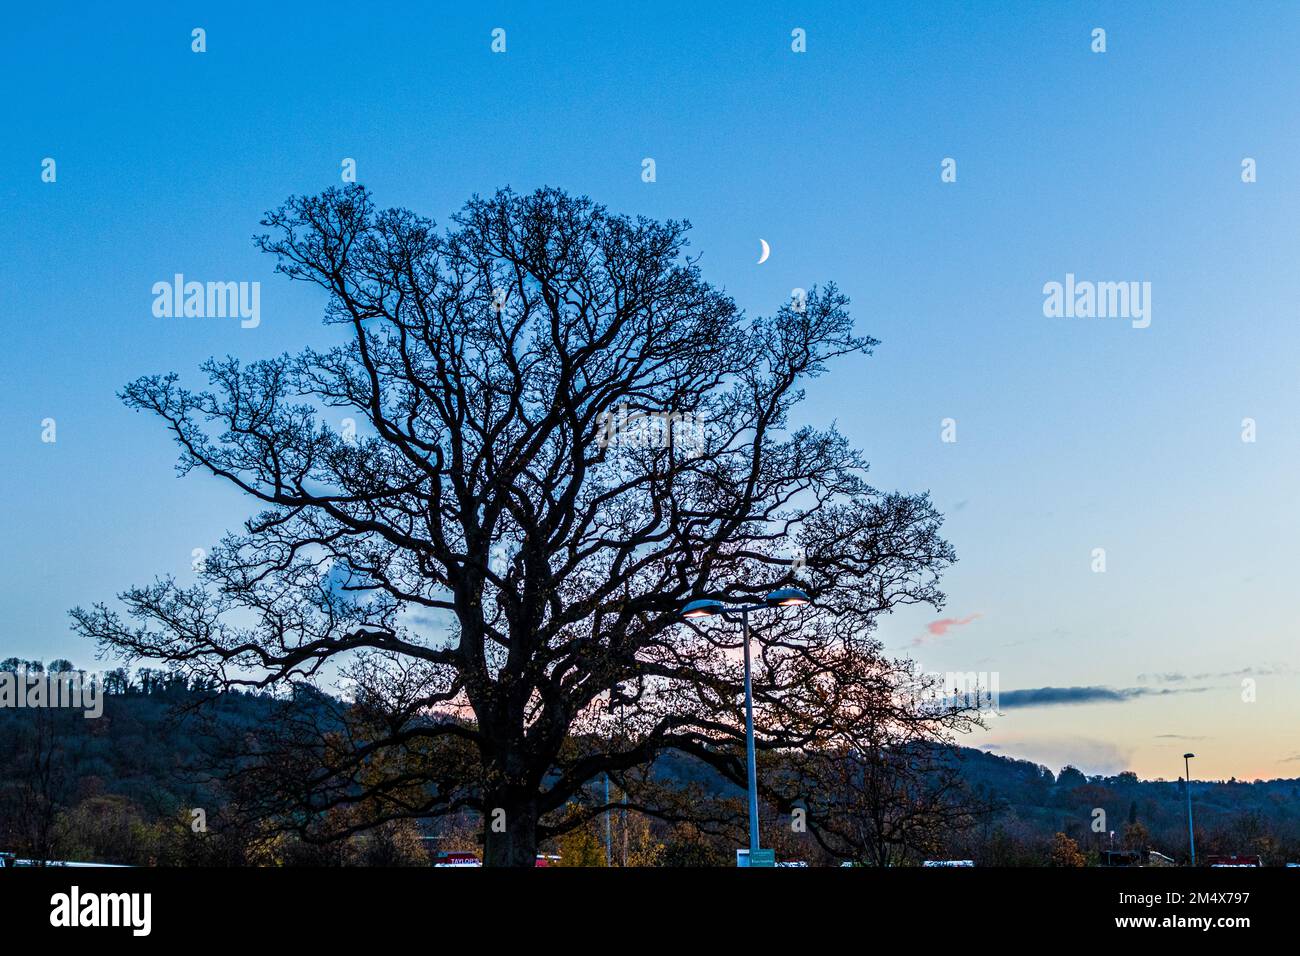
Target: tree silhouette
(885,787)
(563,432)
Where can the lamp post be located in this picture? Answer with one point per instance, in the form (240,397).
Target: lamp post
(783,597)
(1187,785)
(609,842)
(609,838)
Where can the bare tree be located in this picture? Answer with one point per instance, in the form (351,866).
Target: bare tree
(564,433)
(888,789)
(41,789)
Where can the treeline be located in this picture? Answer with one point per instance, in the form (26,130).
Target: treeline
(1232,817)
(119,680)
(137,786)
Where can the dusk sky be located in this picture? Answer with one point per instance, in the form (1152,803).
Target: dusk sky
(1072,434)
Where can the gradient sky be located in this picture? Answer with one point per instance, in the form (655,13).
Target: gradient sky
(1072,434)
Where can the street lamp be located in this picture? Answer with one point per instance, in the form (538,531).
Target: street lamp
(1187,785)
(707,607)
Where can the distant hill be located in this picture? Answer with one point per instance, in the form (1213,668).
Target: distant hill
(110,786)
(1232,817)
(1259,818)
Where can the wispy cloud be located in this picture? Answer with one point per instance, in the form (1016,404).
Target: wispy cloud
(941,627)
(1175,677)
(1169,677)
(1056,696)
(1180,737)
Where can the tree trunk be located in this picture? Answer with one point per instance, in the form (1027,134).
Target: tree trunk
(510,829)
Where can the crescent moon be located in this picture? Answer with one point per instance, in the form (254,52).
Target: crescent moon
(767,251)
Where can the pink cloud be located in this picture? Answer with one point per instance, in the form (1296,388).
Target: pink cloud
(941,627)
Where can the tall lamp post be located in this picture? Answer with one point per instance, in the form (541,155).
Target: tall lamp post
(1187,785)
(783,597)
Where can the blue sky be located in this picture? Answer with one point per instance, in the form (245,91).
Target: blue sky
(1072,434)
